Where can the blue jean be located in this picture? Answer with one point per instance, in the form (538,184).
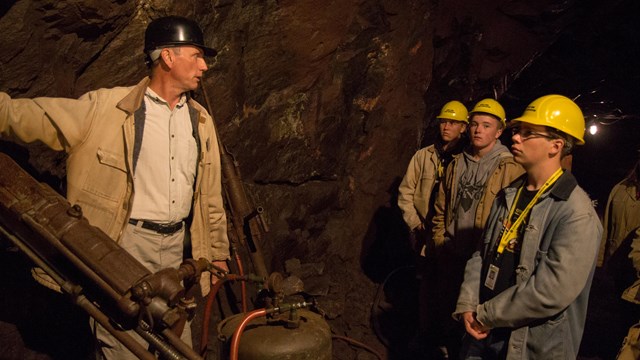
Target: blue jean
(493,347)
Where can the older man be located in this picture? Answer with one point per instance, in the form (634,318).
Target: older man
(143,160)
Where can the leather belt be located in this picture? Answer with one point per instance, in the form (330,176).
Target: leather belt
(165,229)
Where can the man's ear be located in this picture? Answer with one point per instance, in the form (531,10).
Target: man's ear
(167,56)
(556,146)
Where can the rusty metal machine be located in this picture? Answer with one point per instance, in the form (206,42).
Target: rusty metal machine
(284,332)
(102,278)
(121,294)
(280,330)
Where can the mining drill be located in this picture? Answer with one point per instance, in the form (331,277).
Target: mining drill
(121,294)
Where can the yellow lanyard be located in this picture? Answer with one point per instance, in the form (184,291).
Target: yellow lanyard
(440,169)
(511,230)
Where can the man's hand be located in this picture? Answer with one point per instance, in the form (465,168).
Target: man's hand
(417,238)
(221,265)
(473,326)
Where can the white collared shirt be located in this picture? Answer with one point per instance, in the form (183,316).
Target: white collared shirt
(166,167)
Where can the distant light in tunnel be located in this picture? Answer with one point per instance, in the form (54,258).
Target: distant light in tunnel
(593,128)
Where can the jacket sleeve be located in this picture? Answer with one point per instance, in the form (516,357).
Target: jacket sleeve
(561,274)
(469,296)
(59,123)
(634,254)
(605,245)
(406,192)
(218,239)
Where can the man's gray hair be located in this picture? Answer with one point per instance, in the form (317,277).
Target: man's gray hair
(155,55)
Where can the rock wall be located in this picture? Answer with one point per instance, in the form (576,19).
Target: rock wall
(322,104)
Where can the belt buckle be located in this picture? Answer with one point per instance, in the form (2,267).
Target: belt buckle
(167,229)
(164,229)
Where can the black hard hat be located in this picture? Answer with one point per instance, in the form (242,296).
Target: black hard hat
(174,31)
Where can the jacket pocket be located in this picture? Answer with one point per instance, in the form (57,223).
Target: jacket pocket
(112,159)
(107,177)
(551,339)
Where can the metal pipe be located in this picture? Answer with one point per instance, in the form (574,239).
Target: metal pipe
(84,261)
(81,300)
(126,339)
(180,345)
(158,344)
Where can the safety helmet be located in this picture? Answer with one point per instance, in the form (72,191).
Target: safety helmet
(454,110)
(491,107)
(174,31)
(558,112)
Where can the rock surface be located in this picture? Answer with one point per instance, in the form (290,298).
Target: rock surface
(322,104)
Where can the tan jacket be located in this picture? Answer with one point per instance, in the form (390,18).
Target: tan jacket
(506,171)
(621,218)
(97,132)
(417,185)
(632,293)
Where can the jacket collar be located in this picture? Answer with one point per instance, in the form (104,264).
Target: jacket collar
(134,98)
(562,189)
(132,101)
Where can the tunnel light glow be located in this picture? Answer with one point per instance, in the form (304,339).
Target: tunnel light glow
(593,129)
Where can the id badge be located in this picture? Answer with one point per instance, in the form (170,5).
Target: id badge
(492,276)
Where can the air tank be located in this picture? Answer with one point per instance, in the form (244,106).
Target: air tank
(303,336)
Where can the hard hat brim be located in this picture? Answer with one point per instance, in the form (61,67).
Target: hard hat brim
(209,51)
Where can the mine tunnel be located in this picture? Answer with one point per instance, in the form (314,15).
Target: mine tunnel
(321,106)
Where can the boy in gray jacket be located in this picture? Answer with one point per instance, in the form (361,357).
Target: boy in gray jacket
(525,292)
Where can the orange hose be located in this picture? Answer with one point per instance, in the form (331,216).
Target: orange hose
(204,339)
(235,341)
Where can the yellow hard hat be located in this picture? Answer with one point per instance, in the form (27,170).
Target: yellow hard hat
(491,107)
(558,112)
(454,110)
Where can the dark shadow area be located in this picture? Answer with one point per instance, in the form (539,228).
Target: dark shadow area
(394,312)
(5,6)
(386,244)
(609,315)
(388,260)
(35,322)
(596,61)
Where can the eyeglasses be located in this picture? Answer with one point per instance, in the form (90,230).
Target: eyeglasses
(526,134)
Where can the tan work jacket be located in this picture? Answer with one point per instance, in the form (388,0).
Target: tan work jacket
(416,186)
(621,218)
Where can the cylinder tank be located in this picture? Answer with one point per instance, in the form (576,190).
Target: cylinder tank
(265,339)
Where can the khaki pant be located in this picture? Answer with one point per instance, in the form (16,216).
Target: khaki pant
(154,251)
(631,345)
